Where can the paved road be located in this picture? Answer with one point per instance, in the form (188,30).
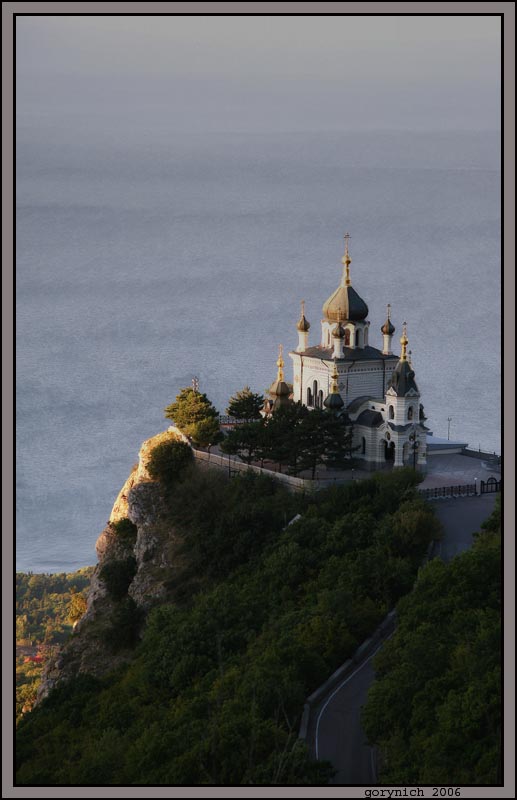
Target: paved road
(461,518)
(335,732)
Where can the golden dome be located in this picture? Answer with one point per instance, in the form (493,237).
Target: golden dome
(345,303)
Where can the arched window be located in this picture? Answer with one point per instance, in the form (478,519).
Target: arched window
(320,399)
(315,391)
(347,338)
(309,396)
(410,412)
(366,337)
(363,445)
(391,412)
(358,338)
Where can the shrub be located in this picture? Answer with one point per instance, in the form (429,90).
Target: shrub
(117,575)
(125,530)
(126,622)
(168,461)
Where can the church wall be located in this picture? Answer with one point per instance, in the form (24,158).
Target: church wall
(297,364)
(390,365)
(320,374)
(365,381)
(372,438)
(400,409)
(355,380)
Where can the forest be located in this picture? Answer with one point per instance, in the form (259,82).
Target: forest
(47,605)
(265,609)
(435,708)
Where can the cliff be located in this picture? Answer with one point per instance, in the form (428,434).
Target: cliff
(156,562)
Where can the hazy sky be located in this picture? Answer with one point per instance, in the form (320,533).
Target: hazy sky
(263,73)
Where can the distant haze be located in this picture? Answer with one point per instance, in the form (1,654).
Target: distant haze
(261,72)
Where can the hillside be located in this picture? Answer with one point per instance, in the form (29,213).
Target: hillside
(47,607)
(210,618)
(435,709)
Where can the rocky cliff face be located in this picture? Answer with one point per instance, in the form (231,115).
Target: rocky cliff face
(157,562)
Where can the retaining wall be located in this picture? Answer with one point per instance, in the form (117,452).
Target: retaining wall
(233,465)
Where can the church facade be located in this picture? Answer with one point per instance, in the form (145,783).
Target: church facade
(377,387)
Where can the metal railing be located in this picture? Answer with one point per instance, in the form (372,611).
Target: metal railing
(491,485)
(463,490)
(436,492)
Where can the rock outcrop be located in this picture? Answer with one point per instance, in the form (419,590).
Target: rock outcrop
(157,562)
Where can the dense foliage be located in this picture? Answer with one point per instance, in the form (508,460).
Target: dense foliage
(194,414)
(435,707)
(216,688)
(46,608)
(125,530)
(117,575)
(295,436)
(245,404)
(168,460)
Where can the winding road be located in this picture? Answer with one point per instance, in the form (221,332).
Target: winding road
(335,732)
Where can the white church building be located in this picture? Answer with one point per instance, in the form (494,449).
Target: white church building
(375,388)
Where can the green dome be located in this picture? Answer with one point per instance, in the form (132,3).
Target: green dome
(333,402)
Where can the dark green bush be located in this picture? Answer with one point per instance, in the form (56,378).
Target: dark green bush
(125,530)
(126,622)
(117,575)
(168,461)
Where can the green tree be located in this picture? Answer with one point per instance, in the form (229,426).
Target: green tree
(307,439)
(245,404)
(189,410)
(283,439)
(168,461)
(339,436)
(77,607)
(434,709)
(243,440)
(21,626)
(206,432)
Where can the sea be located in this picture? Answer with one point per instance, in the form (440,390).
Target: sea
(149,258)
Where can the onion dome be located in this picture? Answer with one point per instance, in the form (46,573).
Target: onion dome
(338,331)
(345,303)
(403,377)
(302,324)
(388,329)
(279,389)
(334,401)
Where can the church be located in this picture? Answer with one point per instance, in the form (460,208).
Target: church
(344,373)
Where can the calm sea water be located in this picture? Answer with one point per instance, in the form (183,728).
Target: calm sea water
(145,260)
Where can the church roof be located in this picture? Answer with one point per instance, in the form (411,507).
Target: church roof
(280,389)
(350,353)
(372,419)
(400,428)
(403,379)
(345,304)
(358,402)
